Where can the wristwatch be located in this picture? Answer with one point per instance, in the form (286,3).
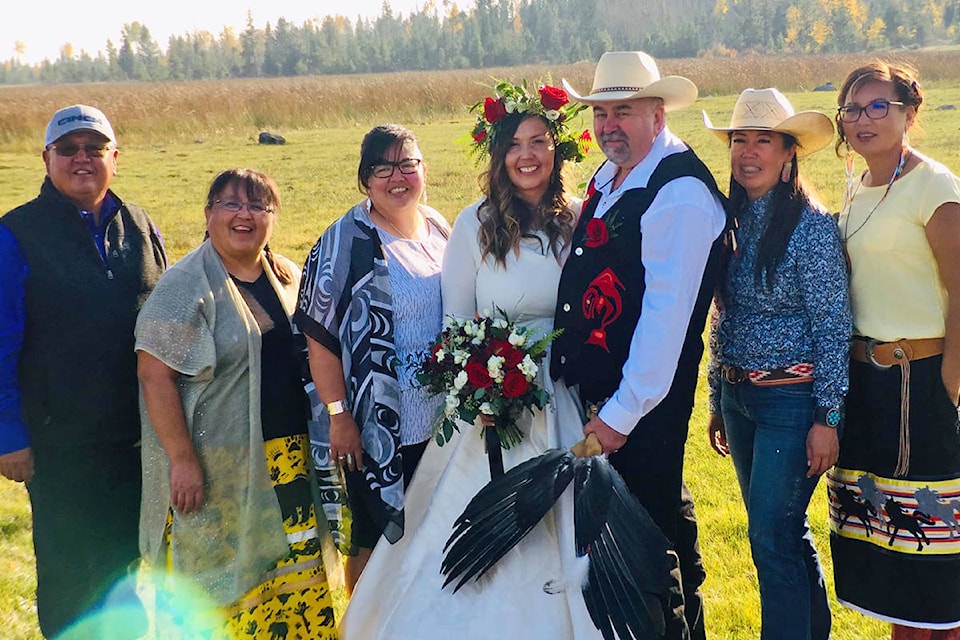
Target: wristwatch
(829,416)
(336,407)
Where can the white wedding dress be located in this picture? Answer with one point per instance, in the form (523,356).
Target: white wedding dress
(534,591)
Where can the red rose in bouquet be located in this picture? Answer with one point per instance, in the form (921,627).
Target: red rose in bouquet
(494,110)
(597,234)
(478,375)
(514,384)
(512,357)
(510,354)
(484,367)
(552,97)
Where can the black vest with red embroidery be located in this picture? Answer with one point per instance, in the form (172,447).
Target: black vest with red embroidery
(602,284)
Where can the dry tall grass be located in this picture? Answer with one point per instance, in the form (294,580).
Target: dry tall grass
(188,110)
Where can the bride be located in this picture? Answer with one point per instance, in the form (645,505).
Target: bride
(506,252)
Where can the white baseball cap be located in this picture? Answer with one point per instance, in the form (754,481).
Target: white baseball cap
(78,117)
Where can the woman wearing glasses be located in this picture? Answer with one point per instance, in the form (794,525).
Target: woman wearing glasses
(227,502)
(506,252)
(370,299)
(895,492)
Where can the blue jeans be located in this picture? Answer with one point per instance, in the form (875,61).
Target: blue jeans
(767,433)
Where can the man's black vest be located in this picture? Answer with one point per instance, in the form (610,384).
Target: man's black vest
(602,284)
(78,369)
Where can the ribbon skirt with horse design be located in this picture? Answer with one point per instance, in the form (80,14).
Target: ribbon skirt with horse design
(894,498)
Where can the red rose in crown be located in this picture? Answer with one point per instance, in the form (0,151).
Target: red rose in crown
(553,97)
(494,110)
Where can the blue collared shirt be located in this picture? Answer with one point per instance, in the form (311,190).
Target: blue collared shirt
(804,317)
(108,211)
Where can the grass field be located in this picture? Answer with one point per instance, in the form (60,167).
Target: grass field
(167,169)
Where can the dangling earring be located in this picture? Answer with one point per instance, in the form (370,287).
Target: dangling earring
(786,172)
(848,162)
(423,198)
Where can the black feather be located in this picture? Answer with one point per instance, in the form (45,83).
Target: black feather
(628,578)
(502,513)
(629,565)
(591,498)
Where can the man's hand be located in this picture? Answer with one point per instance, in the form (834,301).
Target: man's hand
(610,439)
(823,449)
(717,433)
(17,465)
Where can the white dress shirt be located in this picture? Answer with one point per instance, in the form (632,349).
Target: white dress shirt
(677,231)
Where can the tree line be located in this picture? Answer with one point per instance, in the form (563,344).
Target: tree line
(503,33)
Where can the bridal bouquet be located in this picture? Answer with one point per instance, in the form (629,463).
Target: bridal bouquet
(486,366)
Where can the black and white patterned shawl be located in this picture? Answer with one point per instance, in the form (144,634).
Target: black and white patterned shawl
(345,305)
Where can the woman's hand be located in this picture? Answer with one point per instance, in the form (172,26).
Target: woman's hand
(823,449)
(186,485)
(158,383)
(327,372)
(717,433)
(345,445)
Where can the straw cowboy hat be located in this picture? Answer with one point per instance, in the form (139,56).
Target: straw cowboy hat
(625,75)
(769,110)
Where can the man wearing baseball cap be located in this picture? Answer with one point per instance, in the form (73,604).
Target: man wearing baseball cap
(76,264)
(633,299)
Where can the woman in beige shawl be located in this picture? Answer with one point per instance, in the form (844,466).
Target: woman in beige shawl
(227,501)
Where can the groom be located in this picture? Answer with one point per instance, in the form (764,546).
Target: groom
(633,299)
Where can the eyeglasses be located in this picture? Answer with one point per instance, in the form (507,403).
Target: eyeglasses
(384,169)
(70,150)
(876,110)
(255,208)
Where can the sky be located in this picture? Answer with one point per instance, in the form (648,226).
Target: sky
(44,26)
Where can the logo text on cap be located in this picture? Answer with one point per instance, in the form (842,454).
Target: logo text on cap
(84,118)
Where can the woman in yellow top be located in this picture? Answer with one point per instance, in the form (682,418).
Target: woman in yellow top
(895,492)
(227,503)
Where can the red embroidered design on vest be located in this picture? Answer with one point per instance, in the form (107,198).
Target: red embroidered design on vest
(603,300)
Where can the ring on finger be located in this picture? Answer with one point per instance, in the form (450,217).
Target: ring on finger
(349,458)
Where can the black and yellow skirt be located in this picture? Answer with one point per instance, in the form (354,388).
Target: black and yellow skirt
(293,602)
(894,498)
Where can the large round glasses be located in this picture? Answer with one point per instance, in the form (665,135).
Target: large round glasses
(876,110)
(255,208)
(385,169)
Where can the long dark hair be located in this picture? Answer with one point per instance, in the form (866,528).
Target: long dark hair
(788,202)
(258,187)
(505,218)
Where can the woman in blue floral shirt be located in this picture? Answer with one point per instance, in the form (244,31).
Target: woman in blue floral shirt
(779,341)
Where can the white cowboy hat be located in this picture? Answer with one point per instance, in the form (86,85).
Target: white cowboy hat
(625,75)
(769,110)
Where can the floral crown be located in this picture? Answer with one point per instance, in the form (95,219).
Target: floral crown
(552,103)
